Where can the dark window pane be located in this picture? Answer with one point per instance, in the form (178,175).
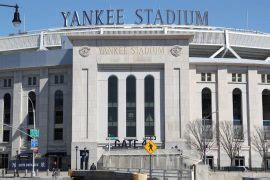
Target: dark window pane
(203,77)
(62,79)
(112,106)
(6,136)
(34,80)
(131,106)
(9,82)
(31,105)
(29,81)
(28,137)
(149,113)
(266,104)
(58,105)
(237,107)
(206,104)
(263,78)
(3,161)
(58,134)
(5,83)
(7,106)
(56,79)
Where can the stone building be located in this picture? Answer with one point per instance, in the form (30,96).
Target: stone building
(127,83)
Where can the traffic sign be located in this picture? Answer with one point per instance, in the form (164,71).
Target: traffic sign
(34,143)
(34,133)
(150,147)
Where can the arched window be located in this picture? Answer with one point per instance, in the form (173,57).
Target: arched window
(207,104)
(149,106)
(7,108)
(266,107)
(31,99)
(58,107)
(237,107)
(131,106)
(112,106)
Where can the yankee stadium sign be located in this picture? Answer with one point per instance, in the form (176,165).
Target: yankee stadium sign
(142,16)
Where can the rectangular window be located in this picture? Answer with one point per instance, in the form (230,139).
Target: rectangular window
(29,81)
(239,77)
(9,82)
(58,134)
(5,83)
(3,161)
(34,80)
(61,79)
(268,78)
(263,78)
(58,117)
(239,161)
(6,136)
(233,77)
(203,77)
(55,79)
(209,78)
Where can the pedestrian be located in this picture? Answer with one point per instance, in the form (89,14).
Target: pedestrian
(93,167)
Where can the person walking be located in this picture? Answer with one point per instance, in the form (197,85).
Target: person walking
(93,167)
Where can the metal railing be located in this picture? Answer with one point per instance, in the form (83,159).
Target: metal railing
(158,173)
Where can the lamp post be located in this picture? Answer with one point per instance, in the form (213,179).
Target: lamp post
(16,18)
(34,122)
(76,147)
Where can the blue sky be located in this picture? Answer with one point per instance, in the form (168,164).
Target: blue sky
(43,14)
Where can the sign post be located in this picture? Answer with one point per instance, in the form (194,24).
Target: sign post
(150,147)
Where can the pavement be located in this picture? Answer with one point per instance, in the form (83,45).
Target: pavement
(40,175)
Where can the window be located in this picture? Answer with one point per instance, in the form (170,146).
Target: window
(209,77)
(210,161)
(6,136)
(7,106)
(239,161)
(268,78)
(237,77)
(266,112)
(207,113)
(263,78)
(131,106)
(237,107)
(112,106)
(3,161)
(233,77)
(206,77)
(31,105)
(59,79)
(206,104)
(149,106)
(203,77)
(32,81)
(56,79)
(7,83)
(58,107)
(58,134)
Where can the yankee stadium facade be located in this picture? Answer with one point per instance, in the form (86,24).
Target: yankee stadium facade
(89,84)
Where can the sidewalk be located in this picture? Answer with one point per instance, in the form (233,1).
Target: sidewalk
(40,175)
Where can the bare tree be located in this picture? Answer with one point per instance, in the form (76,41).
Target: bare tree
(260,144)
(231,139)
(200,136)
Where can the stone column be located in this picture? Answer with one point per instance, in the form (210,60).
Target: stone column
(17,112)
(42,119)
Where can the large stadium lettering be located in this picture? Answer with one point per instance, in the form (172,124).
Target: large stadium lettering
(142,16)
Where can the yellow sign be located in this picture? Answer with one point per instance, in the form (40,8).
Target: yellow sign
(150,147)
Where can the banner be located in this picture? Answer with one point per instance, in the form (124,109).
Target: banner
(40,164)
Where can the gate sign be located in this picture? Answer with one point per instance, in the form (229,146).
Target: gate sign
(40,164)
(150,147)
(34,143)
(34,133)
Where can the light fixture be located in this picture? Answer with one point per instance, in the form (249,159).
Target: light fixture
(16,19)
